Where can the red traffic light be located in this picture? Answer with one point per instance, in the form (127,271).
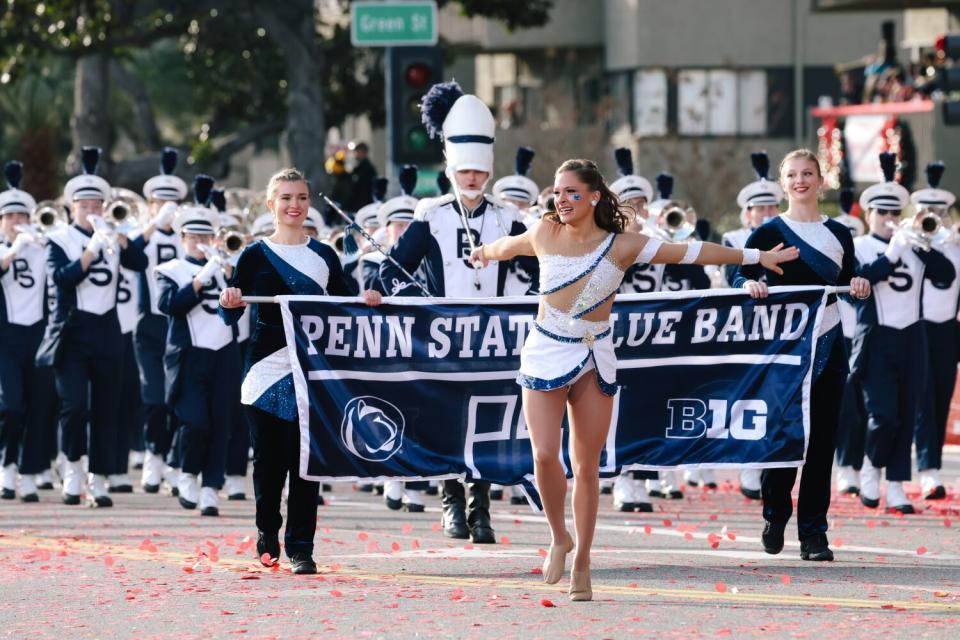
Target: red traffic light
(417,75)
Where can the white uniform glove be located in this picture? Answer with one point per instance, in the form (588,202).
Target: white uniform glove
(207,273)
(899,243)
(19,243)
(165,216)
(95,244)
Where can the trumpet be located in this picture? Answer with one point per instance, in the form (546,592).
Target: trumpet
(232,241)
(48,215)
(675,226)
(107,232)
(923,230)
(125,211)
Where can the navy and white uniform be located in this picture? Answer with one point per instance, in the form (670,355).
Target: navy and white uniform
(266,268)
(27,403)
(852,428)
(939,305)
(827,258)
(890,354)
(150,340)
(80,343)
(202,368)
(437,242)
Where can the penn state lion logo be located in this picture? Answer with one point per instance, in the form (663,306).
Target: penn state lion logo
(372,428)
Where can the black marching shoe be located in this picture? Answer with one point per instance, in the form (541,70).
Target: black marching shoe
(8,494)
(30,497)
(366,487)
(478,516)
(120,488)
(454,518)
(151,488)
(320,501)
(69,498)
(753,494)
(517,500)
(302,564)
(101,502)
(816,548)
(772,537)
(267,543)
(210,511)
(496,494)
(432,490)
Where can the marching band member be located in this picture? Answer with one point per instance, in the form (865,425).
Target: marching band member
(758,201)
(83,332)
(568,364)
(852,425)
(286,262)
(940,321)
(826,258)
(202,360)
(26,409)
(634,192)
(161,244)
(313,224)
(890,356)
(439,241)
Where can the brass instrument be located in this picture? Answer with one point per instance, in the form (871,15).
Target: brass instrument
(125,211)
(675,225)
(48,215)
(923,230)
(232,241)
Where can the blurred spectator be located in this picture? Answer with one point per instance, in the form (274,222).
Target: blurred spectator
(362,176)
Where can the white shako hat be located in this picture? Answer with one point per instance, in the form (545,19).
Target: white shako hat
(464,123)
(88,185)
(401,208)
(519,186)
(933,195)
(263,225)
(853,223)
(368,214)
(887,195)
(198,217)
(13,200)
(664,183)
(629,185)
(764,190)
(166,186)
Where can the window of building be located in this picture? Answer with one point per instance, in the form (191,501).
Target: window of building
(721,102)
(650,102)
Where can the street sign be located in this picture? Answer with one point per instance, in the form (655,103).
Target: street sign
(393,24)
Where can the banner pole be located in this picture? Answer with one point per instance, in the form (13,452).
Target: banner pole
(260,299)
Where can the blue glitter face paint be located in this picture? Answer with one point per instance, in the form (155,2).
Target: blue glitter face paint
(576,197)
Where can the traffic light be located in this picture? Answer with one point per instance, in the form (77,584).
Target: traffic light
(413,70)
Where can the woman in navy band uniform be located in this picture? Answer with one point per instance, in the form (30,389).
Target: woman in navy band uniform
(287,262)
(826,258)
(27,407)
(82,333)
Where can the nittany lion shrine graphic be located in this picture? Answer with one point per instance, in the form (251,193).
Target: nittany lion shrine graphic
(426,388)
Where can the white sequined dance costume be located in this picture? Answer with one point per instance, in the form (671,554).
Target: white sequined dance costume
(564,345)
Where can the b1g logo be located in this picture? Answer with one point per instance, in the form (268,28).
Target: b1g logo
(372,428)
(688,419)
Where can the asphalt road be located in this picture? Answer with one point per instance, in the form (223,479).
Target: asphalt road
(149,569)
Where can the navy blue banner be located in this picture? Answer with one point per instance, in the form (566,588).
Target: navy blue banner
(425,388)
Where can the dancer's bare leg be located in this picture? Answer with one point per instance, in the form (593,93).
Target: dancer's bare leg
(589,414)
(543,412)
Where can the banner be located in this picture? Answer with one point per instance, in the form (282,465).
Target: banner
(424,388)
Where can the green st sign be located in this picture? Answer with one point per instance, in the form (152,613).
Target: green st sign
(393,24)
